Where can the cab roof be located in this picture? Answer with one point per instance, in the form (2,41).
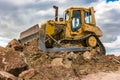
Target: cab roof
(75,8)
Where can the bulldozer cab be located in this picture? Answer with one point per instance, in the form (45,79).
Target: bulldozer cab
(77,18)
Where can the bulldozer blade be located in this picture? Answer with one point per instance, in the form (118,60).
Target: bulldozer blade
(69,49)
(61,49)
(29,34)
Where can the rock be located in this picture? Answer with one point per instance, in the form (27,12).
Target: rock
(26,75)
(71,55)
(7,76)
(118,58)
(12,62)
(60,62)
(93,52)
(2,50)
(75,78)
(67,63)
(87,55)
(1,63)
(110,57)
(15,44)
(32,46)
(57,62)
(2,53)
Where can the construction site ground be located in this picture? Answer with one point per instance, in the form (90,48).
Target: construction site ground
(28,62)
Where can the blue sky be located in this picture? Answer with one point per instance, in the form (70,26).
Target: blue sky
(18,15)
(107,1)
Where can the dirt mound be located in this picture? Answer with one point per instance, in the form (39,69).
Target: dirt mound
(66,66)
(11,59)
(2,51)
(14,62)
(31,46)
(15,44)
(53,66)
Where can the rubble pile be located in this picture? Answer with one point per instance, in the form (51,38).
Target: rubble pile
(29,62)
(11,61)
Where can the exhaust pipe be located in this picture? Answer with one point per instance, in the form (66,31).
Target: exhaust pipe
(56,12)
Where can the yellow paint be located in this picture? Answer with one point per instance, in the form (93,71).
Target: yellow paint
(49,28)
(82,31)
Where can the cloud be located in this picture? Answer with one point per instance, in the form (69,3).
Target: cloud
(18,15)
(114,44)
(107,17)
(113,47)
(4,41)
(17,2)
(59,1)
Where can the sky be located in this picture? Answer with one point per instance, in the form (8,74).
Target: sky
(18,15)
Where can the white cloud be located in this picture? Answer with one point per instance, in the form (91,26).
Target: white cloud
(114,52)
(4,41)
(107,18)
(114,44)
(46,12)
(19,2)
(59,1)
(113,47)
(102,8)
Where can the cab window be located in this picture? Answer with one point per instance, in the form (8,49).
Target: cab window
(87,17)
(76,20)
(67,15)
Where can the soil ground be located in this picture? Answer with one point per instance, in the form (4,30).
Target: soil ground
(62,65)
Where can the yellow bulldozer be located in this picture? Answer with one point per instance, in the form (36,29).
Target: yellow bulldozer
(77,31)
